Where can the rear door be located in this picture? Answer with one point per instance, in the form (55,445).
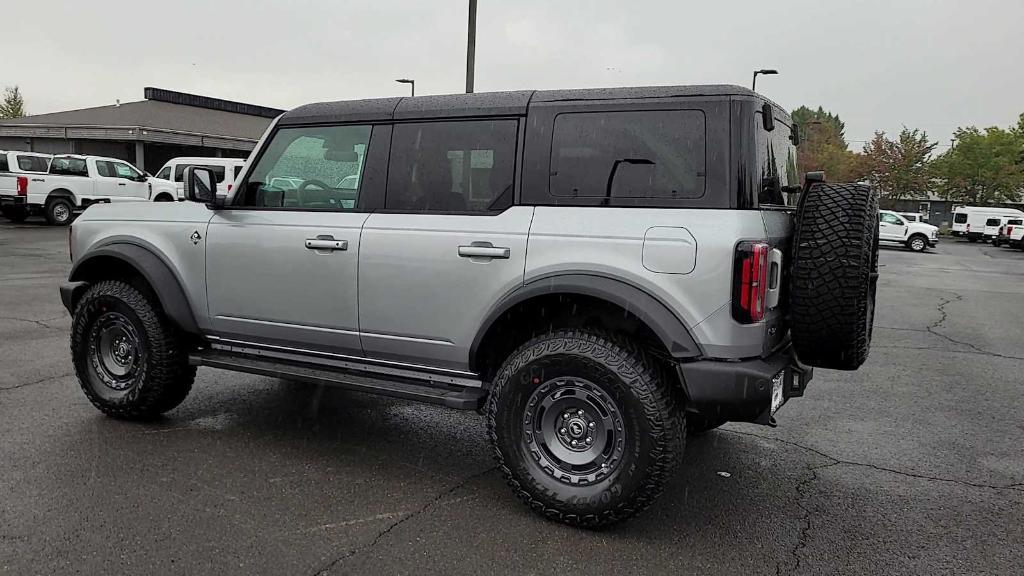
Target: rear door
(448,244)
(282,265)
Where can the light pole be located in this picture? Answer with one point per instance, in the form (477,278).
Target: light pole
(766,72)
(471,47)
(410,82)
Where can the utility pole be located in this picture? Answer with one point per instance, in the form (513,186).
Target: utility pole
(471,47)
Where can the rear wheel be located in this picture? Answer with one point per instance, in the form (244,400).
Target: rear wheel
(130,361)
(834,275)
(586,428)
(59,211)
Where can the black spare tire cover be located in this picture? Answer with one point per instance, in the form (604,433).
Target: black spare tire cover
(834,275)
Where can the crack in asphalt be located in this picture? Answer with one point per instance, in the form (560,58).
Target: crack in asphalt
(40,381)
(42,322)
(805,530)
(932,329)
(405,517)
(1016,487)
(945,350)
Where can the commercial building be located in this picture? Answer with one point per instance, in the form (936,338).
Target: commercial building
(165,125)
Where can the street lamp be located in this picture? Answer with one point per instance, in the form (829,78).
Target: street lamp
(410,82)
(766,72)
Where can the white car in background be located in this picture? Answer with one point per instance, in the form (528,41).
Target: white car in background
(970,221)
(15,170)
(223,169)
(918,236)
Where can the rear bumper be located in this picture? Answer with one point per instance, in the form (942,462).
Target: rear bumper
(7,201)
(741,391)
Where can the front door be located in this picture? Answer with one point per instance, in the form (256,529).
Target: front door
(282,264)
(891,227)
(448,244)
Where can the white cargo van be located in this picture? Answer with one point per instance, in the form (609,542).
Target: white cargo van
(970,221)
(225,169)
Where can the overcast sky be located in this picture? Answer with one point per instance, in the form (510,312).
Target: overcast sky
(879,64)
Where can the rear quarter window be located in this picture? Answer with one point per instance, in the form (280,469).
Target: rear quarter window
(33,163)
(69,167)
(4,167)
(657,154)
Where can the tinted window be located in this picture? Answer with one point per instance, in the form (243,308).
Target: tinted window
(4,167)
(69,167)
(464,166)
(164,173)
(307,168)
(33,163)
(105,169)
(238,170)
(1015,222)
(643,154)
(992,222)
(960,218)
(179,171)
(776,162)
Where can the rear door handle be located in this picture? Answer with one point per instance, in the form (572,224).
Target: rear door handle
(121,184)
(484,250)
(326,243)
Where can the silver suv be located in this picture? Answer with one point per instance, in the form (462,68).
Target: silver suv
(598,271)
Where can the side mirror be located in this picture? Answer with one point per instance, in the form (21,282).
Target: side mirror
(200,185)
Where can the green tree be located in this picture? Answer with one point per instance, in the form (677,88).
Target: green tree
(13,104)
(900,167)
(824,146)
(984,166)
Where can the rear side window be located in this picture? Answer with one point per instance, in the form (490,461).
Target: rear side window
(105,169)
(638,154)
(4,167)
(179,171)
(960,218)
(777,177)
(464,166)
(33,163)
(992,222)
(69,167)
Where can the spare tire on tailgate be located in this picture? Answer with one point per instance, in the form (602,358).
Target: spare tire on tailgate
(834,275)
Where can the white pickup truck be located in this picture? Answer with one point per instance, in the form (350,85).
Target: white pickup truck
(73,183)
(917,236)
(1015,236)
(15,169)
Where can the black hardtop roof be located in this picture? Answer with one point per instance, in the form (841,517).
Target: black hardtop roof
(489,103)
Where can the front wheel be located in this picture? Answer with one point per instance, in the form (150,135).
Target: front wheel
(585,427)
(130,361)
(917,243)
(59,212)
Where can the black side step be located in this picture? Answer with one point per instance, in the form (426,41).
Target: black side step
(462,398)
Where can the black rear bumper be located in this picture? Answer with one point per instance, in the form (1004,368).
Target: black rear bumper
(741,391)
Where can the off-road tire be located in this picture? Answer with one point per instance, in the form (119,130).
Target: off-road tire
(834,275)
(651,416)
(164,377)
(55,211)
(698,425)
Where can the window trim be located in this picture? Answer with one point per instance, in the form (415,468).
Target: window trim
(516,166)
(620,204)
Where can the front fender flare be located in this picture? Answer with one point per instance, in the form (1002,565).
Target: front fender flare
(157,273)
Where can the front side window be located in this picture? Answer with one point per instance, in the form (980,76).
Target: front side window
(69,167)
(122,170)
(179,171)
(307,168)
(164,173)
(33,163)
(639,154)
(460,166)
(960,218)
(891,218)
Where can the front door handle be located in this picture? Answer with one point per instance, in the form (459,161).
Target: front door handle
(121,184)
(326,243)
(484,250)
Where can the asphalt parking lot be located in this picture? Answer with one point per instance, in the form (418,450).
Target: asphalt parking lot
(912,465)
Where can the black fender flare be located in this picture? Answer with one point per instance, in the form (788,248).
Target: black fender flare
(668,327)
(157,273)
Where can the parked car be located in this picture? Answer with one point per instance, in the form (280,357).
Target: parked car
(225,169)
(1015,234)
(15,170)
(970,221)
(917,236)
(625,284)
(1002,232)
(73,183)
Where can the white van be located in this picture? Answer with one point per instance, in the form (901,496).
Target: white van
(970,221)
(223,168)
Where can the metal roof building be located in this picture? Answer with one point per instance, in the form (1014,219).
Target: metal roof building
(165,125)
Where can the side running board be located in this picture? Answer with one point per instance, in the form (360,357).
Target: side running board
(459,397)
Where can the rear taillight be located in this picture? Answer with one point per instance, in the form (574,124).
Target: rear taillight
(22,186)
(229,187)
(749,281)
(1009,230)
(968,227)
